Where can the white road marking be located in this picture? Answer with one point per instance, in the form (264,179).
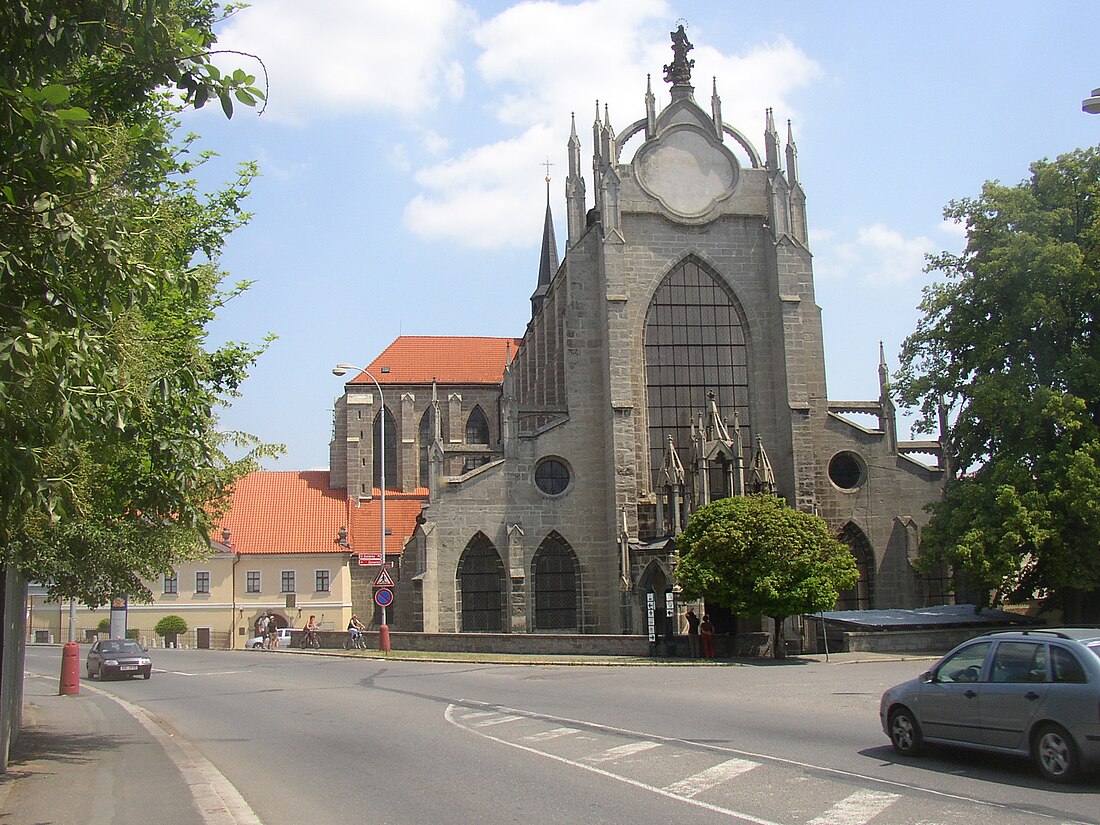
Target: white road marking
(857,809)
(209,673)
(477,714)
(629,749)
(500,720)
(763,757)
(551,734)
(450,716)
(704,780)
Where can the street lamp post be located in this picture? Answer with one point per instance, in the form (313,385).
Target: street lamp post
(1091,105)
(340,370)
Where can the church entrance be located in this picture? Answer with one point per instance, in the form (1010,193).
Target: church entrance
(658,605)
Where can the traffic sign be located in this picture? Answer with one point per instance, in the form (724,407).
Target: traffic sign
(370,559)
(383,579)
(383,597)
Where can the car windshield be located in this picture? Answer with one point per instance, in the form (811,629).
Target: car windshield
(128,648)
(1095,648)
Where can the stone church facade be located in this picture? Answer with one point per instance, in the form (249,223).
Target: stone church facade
(673,357)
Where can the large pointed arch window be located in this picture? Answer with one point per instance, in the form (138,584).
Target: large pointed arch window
(695,344)
(481,587)
(391,449)
(425,435)
(861,596)
(556,578)
(477,427)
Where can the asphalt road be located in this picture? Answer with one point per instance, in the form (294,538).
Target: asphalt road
(318,739)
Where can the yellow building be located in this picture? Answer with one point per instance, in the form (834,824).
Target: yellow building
(278,552)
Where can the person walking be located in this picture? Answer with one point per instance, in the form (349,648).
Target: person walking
(693,633)
(272,632)
(706,636)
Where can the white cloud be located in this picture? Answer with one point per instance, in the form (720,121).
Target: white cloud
(877,256)
(542,61)
(487,198)
(349,56)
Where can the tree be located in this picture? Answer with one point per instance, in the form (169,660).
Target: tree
(111,462)
(757,555)
(170,626)
(1009,343)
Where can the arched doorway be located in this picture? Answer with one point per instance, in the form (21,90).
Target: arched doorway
(481,592)
(862,595)
(655,593)
(555,579)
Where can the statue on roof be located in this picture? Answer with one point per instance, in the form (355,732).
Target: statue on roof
(679,70)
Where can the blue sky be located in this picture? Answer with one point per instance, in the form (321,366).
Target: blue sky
(401,154)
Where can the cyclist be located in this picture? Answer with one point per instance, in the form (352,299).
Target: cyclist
(311,631)
(355,627)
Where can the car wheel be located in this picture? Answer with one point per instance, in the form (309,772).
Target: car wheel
(91,676)
(905,734)
(1055,754)
(258,646)
(146,675)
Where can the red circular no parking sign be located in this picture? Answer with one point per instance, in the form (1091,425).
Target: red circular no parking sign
(383,597)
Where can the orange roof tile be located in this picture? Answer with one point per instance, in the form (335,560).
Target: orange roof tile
(420,359)
(365,528)
(285,512)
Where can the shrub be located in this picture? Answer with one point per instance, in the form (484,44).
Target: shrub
(170,625)
(104,625)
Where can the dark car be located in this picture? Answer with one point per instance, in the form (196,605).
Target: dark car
(1032,693)
(118,657)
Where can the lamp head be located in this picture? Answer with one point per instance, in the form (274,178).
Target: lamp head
(342,369)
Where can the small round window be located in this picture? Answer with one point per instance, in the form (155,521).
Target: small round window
(551,476)
(847,471)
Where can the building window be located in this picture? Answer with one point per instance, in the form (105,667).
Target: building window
(477,427)
(321,577)
(847,471)
(694,346)
(391,449)
(202,582)
(288,581)
(171,582)
(426,433)
(252,581)
(555,585)
(552,476)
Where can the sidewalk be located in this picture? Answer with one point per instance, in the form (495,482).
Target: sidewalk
(84,759)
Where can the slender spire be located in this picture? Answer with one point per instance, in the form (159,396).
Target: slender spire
(792,155)
(650,109)
(548,260)
(716,109)
(771,143)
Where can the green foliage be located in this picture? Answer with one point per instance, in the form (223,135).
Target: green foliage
(171,625)
(111,463)
(757,555)
(104,625)
(1008,340)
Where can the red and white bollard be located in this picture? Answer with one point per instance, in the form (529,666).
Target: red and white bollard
(70,670)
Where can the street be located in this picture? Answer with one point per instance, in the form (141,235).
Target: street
(329,739)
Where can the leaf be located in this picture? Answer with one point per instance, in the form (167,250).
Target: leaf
(227,104)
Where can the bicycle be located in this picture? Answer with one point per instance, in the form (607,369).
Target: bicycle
(357,641)
(310,640)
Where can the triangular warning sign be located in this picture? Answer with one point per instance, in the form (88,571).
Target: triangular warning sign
(383,579)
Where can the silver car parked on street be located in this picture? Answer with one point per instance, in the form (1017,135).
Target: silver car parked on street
(1032,692)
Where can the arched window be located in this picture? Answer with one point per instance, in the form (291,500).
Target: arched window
(555,582)
(391,449)
(694,344)
(860,597)
(477,427)
(481,587)
(425,435)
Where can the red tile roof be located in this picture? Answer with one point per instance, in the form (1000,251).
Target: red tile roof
(298,512)
(420,359)
(285,512)
(365,521)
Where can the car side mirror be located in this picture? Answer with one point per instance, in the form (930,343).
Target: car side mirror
(927,677)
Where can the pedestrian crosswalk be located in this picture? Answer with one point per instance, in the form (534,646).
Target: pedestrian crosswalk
(742,787)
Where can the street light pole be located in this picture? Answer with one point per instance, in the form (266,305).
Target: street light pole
(340,370)
(1091,105)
